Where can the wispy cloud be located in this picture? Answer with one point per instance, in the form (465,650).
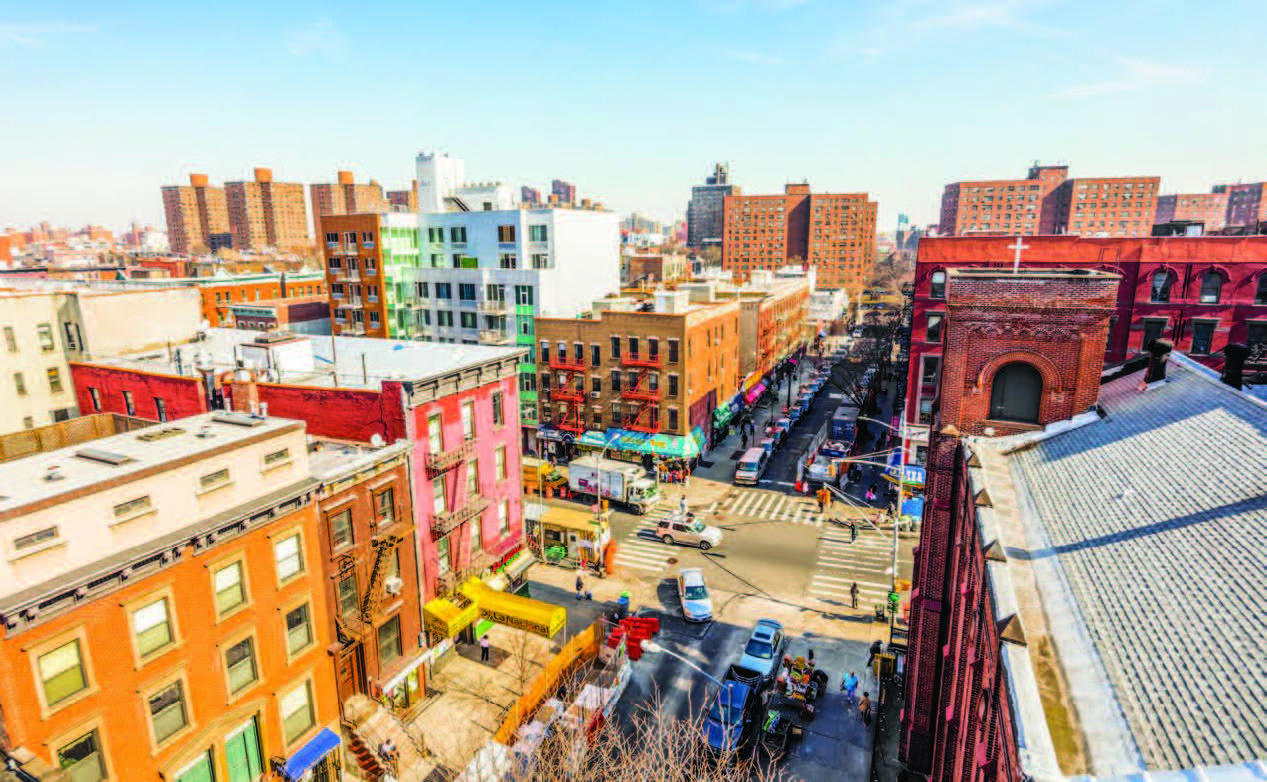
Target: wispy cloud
(318,38)
(902,23)
(1138,76)
(729,6)
(33,34)
(754,58)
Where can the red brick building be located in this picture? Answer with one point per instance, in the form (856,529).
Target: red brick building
(833,233)
(1245,203)
(1199,292)
(1210,209)
(345,197)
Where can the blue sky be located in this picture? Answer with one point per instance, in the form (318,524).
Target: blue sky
(631,101)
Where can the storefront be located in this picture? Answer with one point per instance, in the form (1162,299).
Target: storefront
(631,446)
(567,537)
(405,688)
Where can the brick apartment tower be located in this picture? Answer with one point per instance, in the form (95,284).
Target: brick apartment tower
(831,232)
(345,197)
(195,213)
(565,192)
(1245,203)
(1210,209)
(404,200)
(264,213)
(1037,338)
(1023,350)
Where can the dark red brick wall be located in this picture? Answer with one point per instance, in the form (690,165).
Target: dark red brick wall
(182,396)
(1056,323)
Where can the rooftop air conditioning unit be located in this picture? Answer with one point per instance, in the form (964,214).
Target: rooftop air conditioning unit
(393,585)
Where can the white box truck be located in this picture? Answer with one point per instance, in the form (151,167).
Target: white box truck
(628,484)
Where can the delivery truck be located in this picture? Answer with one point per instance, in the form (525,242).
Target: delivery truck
(592,477)
(539,475)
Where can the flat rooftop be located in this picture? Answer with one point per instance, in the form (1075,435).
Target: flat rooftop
(1144,531)
(23,481)
(348,362)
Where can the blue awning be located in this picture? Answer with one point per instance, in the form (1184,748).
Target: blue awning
(311,753)
(912,475)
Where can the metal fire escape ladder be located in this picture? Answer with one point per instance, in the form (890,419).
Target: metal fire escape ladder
(374,590)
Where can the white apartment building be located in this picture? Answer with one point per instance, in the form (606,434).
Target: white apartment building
(488,266)
(41,331)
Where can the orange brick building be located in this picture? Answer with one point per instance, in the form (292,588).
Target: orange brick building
(1207,208)
(264,213)
(191,649)
(1111,206)
(195,214)
(833,233)
(345,197)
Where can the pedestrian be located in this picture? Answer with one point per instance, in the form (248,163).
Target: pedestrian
(853,534)
(864,708)
(875,652)
(871,493)
(484,646)
(849,685)
(681,505)
(388,753)
(580,585)
(853,594)
(744,440)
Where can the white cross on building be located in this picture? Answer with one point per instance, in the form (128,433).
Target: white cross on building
(1019,246)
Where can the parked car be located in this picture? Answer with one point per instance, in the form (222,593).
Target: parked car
(764,649)
(687,532)
(730,716)
(697,606)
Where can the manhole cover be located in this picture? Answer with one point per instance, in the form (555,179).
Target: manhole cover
(671,561)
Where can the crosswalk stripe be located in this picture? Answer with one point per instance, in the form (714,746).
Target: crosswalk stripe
(830,581)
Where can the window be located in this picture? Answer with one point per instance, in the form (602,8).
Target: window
(1153,330)
(28,422)
(673,385)
(457,235)
(1162,281)
(348,598)
(523,295)
(132,508)
(239,661)
(129,403)
(508,261)
(298,630)
(297,716)
(540,261)
(152,627)
(389,646)
(503,518)
(499,462)
(537,233)
(161,407)
(1202,336)
(62,673)
(276,457)
(444,290)
(499,409)
(167,711)
(230,588)
(1016,393)
(442,555)
(653,347)
(214,480)
(288,557)
(45,333)
(1211,287)
(472,478)
(39,538)
(615,351)
(444,318)
(341,529)
(477,534)
(935,320)
(673,351)
(1260,293)
(54,380)
(385,506)
(468,420)
(466,291)
(615,380)
(82,759)
(937,286)
(596,384)
(10,340)
(596,355)
(633,347)
(932,364)
(19,383)
(439,497)
(672,417)
(506,234)
(469,320)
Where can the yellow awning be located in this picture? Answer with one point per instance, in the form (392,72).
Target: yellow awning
(445,617)
(514,611)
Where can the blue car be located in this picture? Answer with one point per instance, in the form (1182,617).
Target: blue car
(731,712)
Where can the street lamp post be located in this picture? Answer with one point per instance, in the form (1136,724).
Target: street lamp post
(901,491)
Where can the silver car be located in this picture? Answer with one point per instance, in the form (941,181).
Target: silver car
(697,606)
(764,650)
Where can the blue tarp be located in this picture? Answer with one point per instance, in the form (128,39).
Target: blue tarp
(913,507)
(311,753)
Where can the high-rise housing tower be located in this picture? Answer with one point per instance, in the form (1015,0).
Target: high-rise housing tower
(197,217)
(705,212)
(565,192)
(345,197)
(264,213)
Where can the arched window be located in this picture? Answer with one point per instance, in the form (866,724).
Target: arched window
(1211,287)
(1260,295)
(1016,393)
(937,290)
(1161,286)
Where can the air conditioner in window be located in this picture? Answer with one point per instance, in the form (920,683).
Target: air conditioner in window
(393,585)
(595,395)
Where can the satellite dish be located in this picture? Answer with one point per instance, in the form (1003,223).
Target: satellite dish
(377,441)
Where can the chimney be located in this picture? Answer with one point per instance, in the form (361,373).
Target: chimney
(1234,356)
(1159,351)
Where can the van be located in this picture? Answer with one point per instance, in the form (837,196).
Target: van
(750,466)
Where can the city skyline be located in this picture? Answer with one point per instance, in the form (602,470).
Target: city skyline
(909,98)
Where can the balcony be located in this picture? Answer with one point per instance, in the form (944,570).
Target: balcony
(567,364)
(496,337)
(372,271)
(444,461)
(493,307)
(352,275)
(446,584)
(351,301)
(566,394)
(446,522)
(574,426)
(642,394)
(349,248)
(650,362)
